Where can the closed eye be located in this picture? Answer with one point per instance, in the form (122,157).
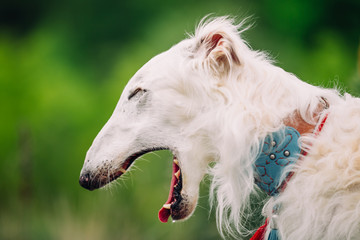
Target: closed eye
(135,92)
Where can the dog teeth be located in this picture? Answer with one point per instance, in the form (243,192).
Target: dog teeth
(123,170)
(176,161)
(167,206)
(177,174)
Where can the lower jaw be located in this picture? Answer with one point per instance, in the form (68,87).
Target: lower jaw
(183,211)
(179,210)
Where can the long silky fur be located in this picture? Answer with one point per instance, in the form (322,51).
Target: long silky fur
(257,96)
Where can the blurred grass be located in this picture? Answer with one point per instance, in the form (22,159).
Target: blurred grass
(63,66)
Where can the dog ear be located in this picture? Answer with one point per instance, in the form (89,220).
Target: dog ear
(220,55)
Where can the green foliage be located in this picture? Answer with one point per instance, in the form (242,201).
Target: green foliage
(63,66)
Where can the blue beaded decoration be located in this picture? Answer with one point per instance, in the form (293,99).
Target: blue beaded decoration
(280,150)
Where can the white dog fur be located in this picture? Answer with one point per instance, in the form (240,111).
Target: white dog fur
(211,98)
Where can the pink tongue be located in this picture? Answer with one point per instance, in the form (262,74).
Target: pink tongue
(164,213)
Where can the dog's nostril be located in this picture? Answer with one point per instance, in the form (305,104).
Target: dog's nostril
(85,181)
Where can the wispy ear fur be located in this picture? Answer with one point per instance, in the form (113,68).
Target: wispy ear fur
(217,44)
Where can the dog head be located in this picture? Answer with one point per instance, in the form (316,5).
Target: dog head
(170,103)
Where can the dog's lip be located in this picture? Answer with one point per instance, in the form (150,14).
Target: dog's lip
(129,160)
(92,182)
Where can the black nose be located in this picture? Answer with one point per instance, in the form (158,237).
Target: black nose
(85,181)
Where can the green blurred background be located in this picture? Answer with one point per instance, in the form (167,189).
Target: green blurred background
(63,65)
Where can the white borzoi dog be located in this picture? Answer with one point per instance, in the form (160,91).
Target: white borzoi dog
(210,98)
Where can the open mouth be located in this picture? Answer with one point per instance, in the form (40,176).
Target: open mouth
(175,206)
(172,204)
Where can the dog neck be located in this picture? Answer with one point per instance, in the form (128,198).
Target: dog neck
(281,149)
(296,121)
